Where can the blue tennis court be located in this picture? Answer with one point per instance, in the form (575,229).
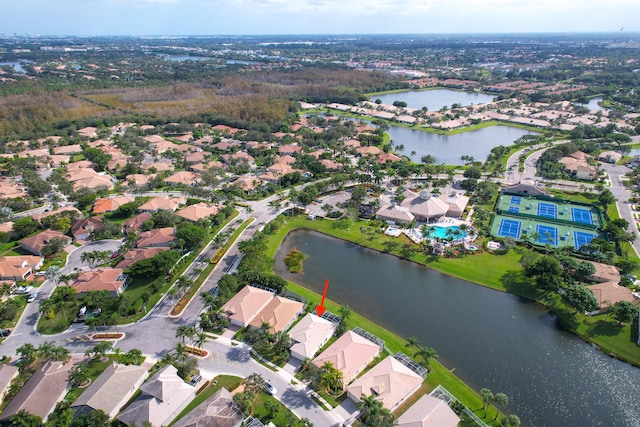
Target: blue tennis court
(547,234)
(515,200)
(509,228)
(547,210)
(513,209)
(582,216)
(582,238)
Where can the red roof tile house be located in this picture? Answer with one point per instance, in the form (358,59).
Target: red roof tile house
(609,293)
(158,237)
(110,204)
(34,244)
(111,280)
(350,354)
(158,203)
(134,224)
(184,178)
(134,255)
(309,335)
(245,305)
(390,381)
(289,149)
(197,211)
(82,228)
(279,313)
(19,267)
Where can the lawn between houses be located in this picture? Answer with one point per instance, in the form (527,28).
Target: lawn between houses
(505,275)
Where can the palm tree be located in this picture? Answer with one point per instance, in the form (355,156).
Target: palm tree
(181,352)
(27,353)
(426,354)
(373,413)
(500,399)
(412,342)
(79,375)
(182,332)
(132,357)
(487,396)
(46,350)
(53,273)
(330,378)
(200,339)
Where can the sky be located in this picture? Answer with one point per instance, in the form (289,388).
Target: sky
(213,17)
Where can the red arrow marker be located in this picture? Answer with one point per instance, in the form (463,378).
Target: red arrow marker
(320,308)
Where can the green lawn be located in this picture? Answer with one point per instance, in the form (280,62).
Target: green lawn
(94,368)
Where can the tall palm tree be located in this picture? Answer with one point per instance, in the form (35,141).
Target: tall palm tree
(487,396)
(412,342)
(200,339)
(500,399)
(331,378)
(426,354)
(182,332)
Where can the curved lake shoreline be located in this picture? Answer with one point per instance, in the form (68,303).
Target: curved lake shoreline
(539,321)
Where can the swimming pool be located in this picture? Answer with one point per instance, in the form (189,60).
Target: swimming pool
(441,232)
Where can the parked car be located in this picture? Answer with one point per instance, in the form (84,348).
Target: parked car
(195,380)
(5,332)
(270,389)
(32,297)
(22,290)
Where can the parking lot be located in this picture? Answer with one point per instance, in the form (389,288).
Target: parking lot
(333,199)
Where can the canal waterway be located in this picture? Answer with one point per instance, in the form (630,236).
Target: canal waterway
(492,339)
(434,99)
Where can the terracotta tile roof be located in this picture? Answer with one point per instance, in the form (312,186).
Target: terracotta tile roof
(350,354)
(110,204)
(279,313)
(183,177)
(166,203)
(390,381)
(429,411)
(85,226)
(134,255)
(102,279)
(135,224)
(34,244)
(243,307)
(156,237)
(309,335)
(197,211)
(609,293)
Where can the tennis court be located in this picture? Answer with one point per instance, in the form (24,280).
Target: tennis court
(581,238)
(515,200)
(513,209)
(509,228)
(582,216)
(547,210)
(548,234)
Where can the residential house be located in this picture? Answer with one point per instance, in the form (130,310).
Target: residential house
(134,224)
(610,156)
(7,374)
(390,381)
(111,390)
(157,238)
(89,132)
(110,204)
(239,157)
(70,211)
(35,243)
(111,280)
(138,179)
(350,354)
(162,203)
(39,396)
(368,151)
(88,178)
(81,164)
(68,149)
(197,211)
(82,228)
(605,273)
(19,267)
(183,177)
(429,411)
(244,306)
(309,335)
(194,158)
(163,397)
(217,411)
(609,293)
(578,166)
(279,313)
(134,255)
(289,149)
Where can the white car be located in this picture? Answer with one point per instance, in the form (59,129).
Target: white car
(270,389)
(21,290)
(32,296)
